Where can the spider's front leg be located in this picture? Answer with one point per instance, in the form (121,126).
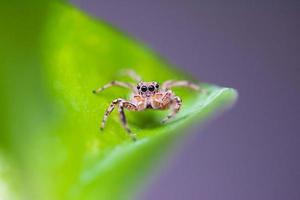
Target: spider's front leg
(175,106)
(121,105)
(128,106)
(108,111)
(114,83)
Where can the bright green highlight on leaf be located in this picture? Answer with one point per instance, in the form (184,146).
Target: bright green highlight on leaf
(51,139)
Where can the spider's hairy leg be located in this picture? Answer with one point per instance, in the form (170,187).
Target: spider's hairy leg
(128,106)
(184,83)
(121,105)
(176,105)
(132,74)
(114,83)
(108,111)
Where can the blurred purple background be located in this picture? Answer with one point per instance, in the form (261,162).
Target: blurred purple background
(253,151)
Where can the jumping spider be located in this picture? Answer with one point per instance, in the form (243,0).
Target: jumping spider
(145,95)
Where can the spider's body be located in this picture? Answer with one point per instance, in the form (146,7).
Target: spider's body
(145,95)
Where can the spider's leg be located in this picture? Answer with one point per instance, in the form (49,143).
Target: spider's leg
(132,74)
(169,84)
(176,104)
(108,111)
(129,106)
(114,83)
(167,97)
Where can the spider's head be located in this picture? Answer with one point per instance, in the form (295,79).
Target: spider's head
(147,89)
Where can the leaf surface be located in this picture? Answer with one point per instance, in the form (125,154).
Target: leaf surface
(57,151)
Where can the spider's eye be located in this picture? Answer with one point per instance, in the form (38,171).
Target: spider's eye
(151,88)
(144,88)
(157,86)
(138,87)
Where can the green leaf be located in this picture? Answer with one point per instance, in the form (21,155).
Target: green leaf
(50,136)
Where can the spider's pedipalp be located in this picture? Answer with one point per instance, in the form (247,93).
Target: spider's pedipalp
(176,105)
(171,83)
(114,83)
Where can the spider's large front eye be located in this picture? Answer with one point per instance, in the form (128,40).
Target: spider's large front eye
(144,88)
(151,88)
